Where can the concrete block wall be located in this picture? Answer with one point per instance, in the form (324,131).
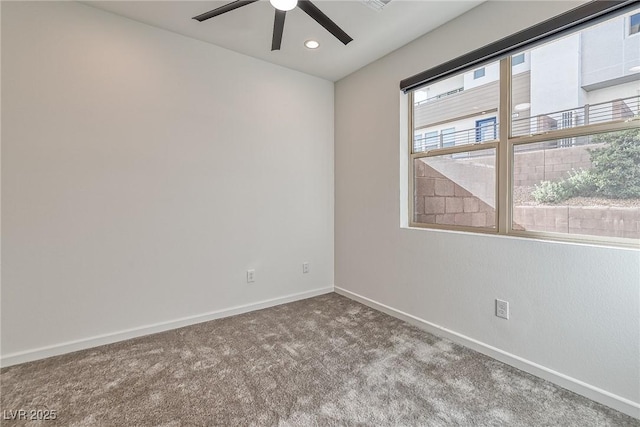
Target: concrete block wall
(531,167)
(588,220)
(439,200)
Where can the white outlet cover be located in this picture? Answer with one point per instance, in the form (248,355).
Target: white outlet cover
(502,309)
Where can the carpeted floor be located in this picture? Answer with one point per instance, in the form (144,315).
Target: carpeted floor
(323,361)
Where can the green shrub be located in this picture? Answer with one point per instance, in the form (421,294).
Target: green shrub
(615,173)
(616,166)
(551,192)
(582,183)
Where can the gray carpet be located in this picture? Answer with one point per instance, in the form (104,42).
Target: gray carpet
(322,361)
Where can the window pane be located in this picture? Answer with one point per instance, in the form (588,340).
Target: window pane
(634,24)
(586,185)
(458,102)
(456,189)
(517,59)
(448,137)
(486,129)
(588,77)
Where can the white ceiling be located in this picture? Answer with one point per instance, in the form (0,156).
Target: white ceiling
(248,29)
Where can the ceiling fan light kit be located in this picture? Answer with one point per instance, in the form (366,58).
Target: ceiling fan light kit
(282,6)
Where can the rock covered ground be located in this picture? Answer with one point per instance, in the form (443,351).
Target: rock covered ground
(522,197)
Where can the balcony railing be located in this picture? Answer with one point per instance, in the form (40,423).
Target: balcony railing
(486,132)
(618,109)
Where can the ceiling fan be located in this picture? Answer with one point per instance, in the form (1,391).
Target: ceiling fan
(282,6)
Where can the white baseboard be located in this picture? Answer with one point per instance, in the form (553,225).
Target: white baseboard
(594,393)
(85,343)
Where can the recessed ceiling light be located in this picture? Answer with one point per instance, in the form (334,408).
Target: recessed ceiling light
(635,69)
(311,44)
(522,107)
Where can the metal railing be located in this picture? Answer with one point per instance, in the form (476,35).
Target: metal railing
(486,132)
(617,109)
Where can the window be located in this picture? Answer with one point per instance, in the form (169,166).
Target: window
(431,139)
(517,59)
(448,137)
(560,160)
(486,129)
(422,142)
(634,24)
(455,181)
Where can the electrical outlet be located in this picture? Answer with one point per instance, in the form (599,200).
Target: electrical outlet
(502,309)
(305,267)
(251,276)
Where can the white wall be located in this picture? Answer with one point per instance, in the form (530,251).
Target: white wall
(606,94)
(609,51)
(555,76)
(575,308)
(491,74)
(144,172)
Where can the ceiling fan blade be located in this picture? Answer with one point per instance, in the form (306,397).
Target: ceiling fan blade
(278,28)
(223,9)
(322,19)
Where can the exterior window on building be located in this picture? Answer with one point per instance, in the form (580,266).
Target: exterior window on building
(634,24)
(517,59)
(448,137)
(486,129)
(431,139)
(478,73)
(426,141)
